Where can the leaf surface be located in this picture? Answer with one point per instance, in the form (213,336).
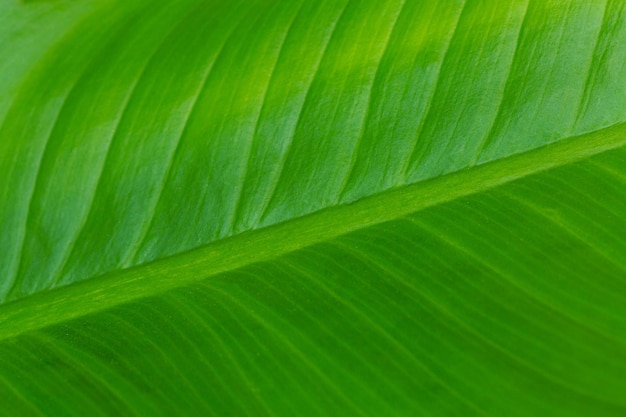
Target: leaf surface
(324,208)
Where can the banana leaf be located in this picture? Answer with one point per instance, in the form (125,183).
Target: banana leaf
(325,208)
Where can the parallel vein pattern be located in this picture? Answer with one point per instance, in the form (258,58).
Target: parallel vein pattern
(507,285)
(257,129)
(306,207)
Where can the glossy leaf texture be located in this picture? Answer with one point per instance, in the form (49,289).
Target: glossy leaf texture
(312,208)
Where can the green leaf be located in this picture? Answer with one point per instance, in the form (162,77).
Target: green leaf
(273,207)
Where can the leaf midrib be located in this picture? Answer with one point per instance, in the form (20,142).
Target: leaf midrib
(117,287)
